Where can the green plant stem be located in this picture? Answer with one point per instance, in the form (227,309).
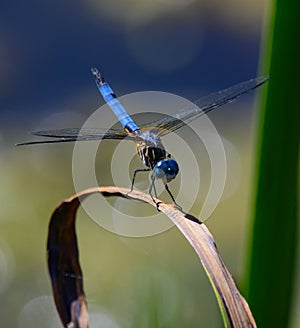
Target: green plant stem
(272,258)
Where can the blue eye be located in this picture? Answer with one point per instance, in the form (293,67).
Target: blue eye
(166,169)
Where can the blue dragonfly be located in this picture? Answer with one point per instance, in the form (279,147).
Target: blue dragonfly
(147,137)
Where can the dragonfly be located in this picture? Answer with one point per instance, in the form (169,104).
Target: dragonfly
(147,137)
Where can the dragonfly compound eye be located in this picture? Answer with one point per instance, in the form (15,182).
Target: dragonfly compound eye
(166,169)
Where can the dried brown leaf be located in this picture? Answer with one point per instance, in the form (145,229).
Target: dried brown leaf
(66,275)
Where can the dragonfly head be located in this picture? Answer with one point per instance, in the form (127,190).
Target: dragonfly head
(166,169)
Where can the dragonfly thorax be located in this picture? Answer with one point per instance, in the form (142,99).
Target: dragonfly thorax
(149,148)
(155,157)
(150,155)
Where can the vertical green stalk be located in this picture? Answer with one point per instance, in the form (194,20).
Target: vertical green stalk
(272,257)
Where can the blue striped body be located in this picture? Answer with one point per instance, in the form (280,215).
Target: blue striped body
(112,101)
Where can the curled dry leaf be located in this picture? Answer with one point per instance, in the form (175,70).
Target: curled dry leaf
(64,267)
(66,275)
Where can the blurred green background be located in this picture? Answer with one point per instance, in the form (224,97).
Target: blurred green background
(184,47)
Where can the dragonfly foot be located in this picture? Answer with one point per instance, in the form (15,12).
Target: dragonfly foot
(129,192)
(157,205)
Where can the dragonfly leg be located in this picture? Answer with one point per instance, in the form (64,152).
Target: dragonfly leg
(152,186)
(154,189)
(173,199)
(134,175)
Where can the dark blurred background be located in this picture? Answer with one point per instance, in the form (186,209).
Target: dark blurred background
(184,47)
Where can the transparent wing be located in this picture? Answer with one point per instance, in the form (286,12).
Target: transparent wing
(77,134)
(204,105)
(162,126)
